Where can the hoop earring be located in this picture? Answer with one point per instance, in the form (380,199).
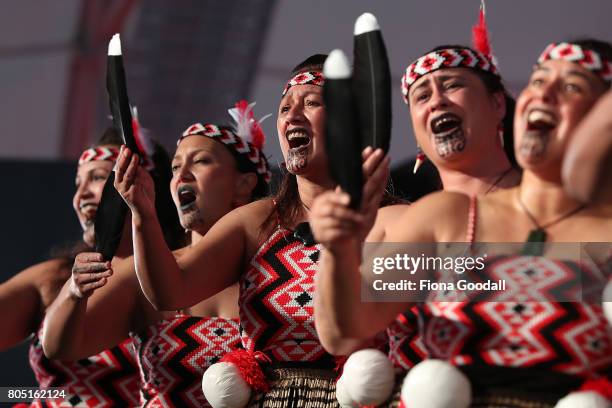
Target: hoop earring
(500,134)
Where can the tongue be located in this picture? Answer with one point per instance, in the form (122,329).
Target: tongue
(186,197)
(298,141)
(446,126)
(540,125)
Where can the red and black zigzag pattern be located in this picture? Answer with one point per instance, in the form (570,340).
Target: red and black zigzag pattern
(109,153)
(568,337)
(175,352)
(406,348)
(107,379)
(276,302)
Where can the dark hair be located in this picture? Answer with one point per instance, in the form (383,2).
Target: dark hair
(109,137)
(167,214)
(245,165)
(494,84)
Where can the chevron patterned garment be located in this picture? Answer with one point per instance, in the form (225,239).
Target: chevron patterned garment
(107,379)
(276,302)
(566,337)
(174,353)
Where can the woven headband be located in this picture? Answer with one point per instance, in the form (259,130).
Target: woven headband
(99,153)
(588,59)
(235,143)
(305,78)
(446,58)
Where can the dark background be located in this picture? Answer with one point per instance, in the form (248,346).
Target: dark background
(36,215)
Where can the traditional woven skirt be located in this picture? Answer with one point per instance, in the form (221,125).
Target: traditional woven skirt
(298,388)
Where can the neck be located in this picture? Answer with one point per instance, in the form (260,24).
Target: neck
(474,184)
(308,190)
(544,199)
(475,176)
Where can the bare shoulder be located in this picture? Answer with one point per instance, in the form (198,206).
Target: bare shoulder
(385,217)
(46,278)
(439,216)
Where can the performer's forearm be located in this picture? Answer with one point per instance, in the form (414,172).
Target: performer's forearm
(64,327)
(158,272)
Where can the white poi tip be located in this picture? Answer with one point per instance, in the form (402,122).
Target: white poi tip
(114,45)
(436,384)
(365,23)
(336,66)
(607,302)
(583,399)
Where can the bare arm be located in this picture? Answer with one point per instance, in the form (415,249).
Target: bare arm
(93,311)
(588,161)
(209,267)
(342,317)
(21,303)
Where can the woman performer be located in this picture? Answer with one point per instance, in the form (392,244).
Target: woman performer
(214,171)
(264,246)
(25,298)
(574,342)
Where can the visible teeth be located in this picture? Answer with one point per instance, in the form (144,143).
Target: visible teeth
(296,135)
(540,116)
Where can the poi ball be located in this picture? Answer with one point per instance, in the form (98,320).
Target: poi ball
(368,377)
(607,302)
(224,387)
(583,399)
(342,395)
(436,384)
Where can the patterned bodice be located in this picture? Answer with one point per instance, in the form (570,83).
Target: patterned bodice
(276,301)
(174,353)
(568,337)
(107,379)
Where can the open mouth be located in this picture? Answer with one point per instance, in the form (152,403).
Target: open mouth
(88,212)
(541,120)
(187,196)
(297,137)
(445,124)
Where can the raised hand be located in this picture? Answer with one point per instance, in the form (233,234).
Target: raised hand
(89,273)
(134,184)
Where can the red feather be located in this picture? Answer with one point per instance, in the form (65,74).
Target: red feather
(480,34)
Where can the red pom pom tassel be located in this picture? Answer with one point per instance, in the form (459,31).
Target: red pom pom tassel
(249,368)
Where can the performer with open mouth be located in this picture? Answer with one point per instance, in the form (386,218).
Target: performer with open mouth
(215,169)
(29,293)
(498,350)
(266,247)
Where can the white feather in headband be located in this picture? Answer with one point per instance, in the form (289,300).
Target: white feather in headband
(246,126)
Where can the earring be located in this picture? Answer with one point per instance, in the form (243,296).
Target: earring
(420,159)
(500,134)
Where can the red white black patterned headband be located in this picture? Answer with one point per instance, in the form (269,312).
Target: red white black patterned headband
(107,153)
(305,78)
(246,127)
(588,59)
(445,58)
